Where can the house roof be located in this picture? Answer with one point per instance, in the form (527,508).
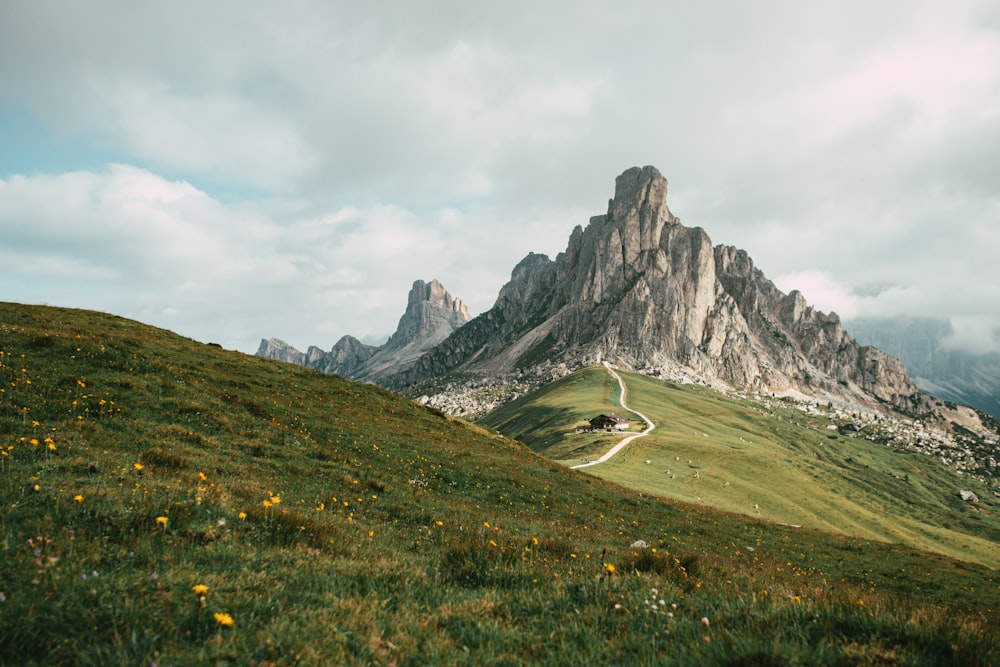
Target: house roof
(611,416)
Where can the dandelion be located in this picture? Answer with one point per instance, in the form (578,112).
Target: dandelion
(242,516)
(609,569)
(138,466)
(78,498)
(225,620)
(200,590)
(439,523)
(202,477)
(161,521)
(493,543)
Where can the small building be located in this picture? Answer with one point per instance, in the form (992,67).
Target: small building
(609,421)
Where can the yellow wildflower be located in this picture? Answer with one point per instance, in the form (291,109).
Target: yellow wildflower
(200,589)
(138,466)
(224,620)
(161,520)
(78,498)
(242,516)
(609,568)
(202,477)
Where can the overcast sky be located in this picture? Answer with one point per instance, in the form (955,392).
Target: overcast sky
(239,170)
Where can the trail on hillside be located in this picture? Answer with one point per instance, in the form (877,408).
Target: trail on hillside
(625,441)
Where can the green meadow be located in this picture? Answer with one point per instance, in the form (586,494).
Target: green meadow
(167,501)
(769,461)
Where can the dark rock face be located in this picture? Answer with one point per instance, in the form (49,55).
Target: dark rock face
(638,287)
(432,314)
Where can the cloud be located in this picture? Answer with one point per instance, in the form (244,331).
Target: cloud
(264,152)
(169,254)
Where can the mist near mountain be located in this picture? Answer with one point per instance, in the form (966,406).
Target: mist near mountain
(926,346)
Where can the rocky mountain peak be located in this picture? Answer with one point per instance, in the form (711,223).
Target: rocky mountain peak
(637,286)
(639,210)
(435,294)
(431,315)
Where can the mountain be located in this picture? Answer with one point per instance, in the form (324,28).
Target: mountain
(431,315)
(922,344)
(638,287)
(171,502)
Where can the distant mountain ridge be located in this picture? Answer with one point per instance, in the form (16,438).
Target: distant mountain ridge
(432,314)
(921,343)
(638,287)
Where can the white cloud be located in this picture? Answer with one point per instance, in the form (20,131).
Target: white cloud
(821,290)
(216,135)
(842,145)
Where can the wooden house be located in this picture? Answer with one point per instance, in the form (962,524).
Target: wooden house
(609,421)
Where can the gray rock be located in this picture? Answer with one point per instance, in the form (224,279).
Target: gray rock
(639,288)
(432,314)
(969,496)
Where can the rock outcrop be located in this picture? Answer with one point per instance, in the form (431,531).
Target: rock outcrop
(432,314)
(638,287)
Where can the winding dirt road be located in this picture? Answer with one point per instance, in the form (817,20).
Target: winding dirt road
(621,445)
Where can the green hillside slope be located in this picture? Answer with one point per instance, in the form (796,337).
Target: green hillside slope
(771,461)
(170,502)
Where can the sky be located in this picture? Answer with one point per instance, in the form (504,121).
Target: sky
(234,171)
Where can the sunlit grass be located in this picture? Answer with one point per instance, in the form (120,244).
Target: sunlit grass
(217,508)
(766,461)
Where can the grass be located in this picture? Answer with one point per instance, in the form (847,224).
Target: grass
(769,461)
(337,523)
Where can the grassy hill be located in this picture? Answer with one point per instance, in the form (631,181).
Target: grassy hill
(770,461)
(168,501)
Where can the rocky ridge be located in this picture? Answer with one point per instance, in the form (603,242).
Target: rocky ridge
(432,314)
(924,346)
(639,288)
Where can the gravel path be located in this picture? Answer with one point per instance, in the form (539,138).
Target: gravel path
(621,445)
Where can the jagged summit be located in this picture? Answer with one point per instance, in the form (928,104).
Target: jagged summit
(637,286)
(432,314)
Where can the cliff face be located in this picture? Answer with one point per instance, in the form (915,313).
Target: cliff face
(638,287)
(431,315)
(938,368)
